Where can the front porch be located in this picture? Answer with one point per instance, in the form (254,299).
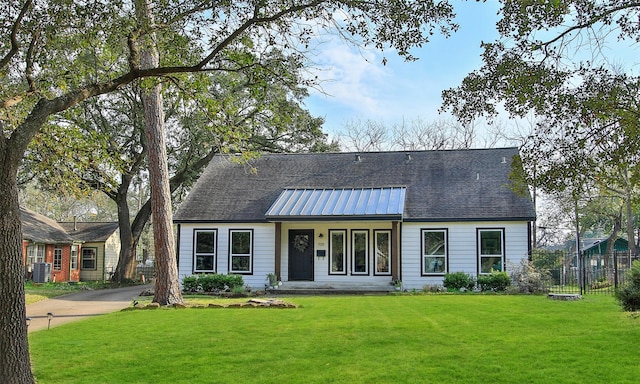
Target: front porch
(331,288)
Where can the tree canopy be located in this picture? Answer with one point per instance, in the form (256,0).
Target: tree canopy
(554,59)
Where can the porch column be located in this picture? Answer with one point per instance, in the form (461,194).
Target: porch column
(395,250)
(278,250)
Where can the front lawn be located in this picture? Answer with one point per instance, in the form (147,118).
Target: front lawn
(347,339)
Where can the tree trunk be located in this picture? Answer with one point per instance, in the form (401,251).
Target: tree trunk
(129,237)
(126,268)
(15,366)
(167,286)
(630,219)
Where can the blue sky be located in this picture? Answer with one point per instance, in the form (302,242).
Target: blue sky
(360,87)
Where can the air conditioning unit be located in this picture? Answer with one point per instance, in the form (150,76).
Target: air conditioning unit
(41,272)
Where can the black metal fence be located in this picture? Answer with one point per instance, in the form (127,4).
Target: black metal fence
(587,274)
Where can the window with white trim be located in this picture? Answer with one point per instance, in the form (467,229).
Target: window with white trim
(74,257)
(359,252)
(241,251)
(204,250)
(40,254)
(490,250)
(57,258)
(382,258)
(89,256)
(337,252)
(31,256)
(434,252)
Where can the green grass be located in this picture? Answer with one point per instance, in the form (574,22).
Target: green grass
(37,292)
(363,339)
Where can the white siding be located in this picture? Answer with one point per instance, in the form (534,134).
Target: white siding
(462,248)
(263,250)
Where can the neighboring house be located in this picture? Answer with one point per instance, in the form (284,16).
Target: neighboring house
(74,251)
(594,247)
(347,219)
(45,241)
(100,248)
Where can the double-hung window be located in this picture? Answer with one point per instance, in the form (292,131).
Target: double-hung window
(337,252)
(89,259)
(360,252)
(204,255)
(40,254)
(241,251)
(74,257)
(382,241)
(434,252)
(57,258)
(490,250)
(31,256)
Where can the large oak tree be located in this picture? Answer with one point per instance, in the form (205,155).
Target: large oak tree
(53,57)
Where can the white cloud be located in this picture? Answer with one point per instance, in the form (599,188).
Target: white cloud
(352,79)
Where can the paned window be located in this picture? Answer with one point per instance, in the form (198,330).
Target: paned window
(40,254)
(204,255)
(490,250)
(57,258)
(31,256)
(434,252)
(241,250)
(337,252)
(74,257)
(382,252)
(89,259)
(360,252)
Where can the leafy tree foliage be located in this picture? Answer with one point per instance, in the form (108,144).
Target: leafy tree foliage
(56,54)
(109,148)
(551,60)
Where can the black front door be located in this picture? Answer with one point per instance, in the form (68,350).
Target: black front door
(301,254)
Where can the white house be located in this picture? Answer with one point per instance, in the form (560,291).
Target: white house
(355,219)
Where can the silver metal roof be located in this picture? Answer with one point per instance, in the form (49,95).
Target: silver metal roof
(338,203)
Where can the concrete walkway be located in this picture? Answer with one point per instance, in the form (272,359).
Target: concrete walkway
(80,305)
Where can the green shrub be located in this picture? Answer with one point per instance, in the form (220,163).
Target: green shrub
(496,281)
(190,284)
(458,281)
(211,282)
(233,281)
(629,295)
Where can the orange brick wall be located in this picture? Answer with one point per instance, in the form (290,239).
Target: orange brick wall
(63,275)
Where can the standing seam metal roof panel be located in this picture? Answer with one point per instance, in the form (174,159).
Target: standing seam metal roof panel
(338,202)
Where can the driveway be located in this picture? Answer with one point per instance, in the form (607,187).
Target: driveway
(80,305)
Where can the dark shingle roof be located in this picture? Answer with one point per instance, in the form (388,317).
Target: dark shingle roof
(453,185)
(90,232)
(41,229)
